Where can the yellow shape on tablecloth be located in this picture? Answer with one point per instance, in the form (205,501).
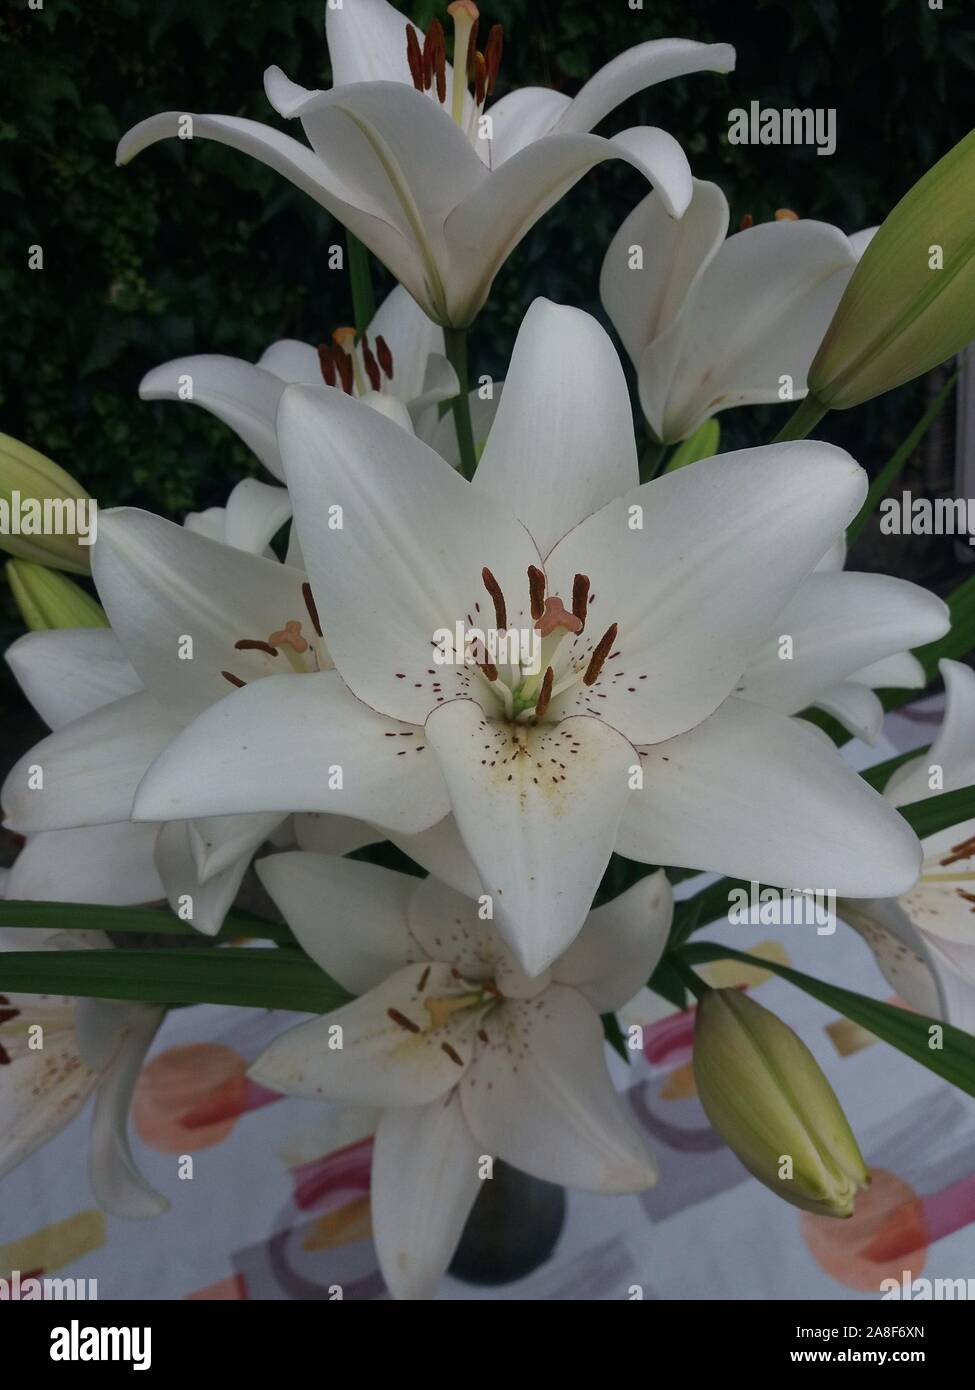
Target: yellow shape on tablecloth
(341,1227)
(732,974)
(54,1246)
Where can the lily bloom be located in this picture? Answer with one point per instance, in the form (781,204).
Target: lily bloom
(924,940)
(711,323)
(402,152)
(468,1059)
(87,1046)
(646,603)
(114,698)
(397,366)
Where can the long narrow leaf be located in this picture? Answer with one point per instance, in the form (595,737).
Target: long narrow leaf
(910,1033)
(252,977)
(48,916)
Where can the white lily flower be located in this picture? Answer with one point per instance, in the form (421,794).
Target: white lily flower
(672,586)
(466,1056)
(842,637)
(403,155)
(180,601)
(711,323)
(924,940)
(398,366)
(55,1053)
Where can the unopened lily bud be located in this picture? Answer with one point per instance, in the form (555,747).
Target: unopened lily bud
(910,303)
(765,1094)
(45,515)
(49,600)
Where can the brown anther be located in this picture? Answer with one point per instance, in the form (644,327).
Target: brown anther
(452,1054)
(246,644)
(536,590)
(7,1014)
(494,589)
(385,356)
(309,598)
(327,364)
(746,222)
(545,694)
(440,73)
(786,215)
(414,57)
(434,37)
(580,597)
(345,370)
(422,982)
(489,669)
(480,79)
(492,55)
(556,615)
(234,680)
(290,636)
(4,1056)
(603,649)
(371,365)
(958,852)
(403,1021)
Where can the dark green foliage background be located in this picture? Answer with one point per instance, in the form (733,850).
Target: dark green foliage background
(197,249)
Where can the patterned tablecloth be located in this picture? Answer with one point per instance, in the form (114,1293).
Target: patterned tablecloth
(269,1196)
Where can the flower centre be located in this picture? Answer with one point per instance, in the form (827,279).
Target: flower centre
(475,73)
(353,366)
(563,660)
(289,644)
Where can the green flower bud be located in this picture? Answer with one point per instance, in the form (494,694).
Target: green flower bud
(47,600)
(44,513)
(764,1093)
(910,303)
(702,444)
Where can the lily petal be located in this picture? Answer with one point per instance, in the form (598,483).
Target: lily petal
(538,1095)
(217,842)
(156,581)
(538,812)
(90,768)
(207,902)
(382,1060)
(408,559)
(856,707)
(424,1184)
(724,545)
(638,68)
(760,796)
(363,934)
(277,745)
(953,750)
(838,624)
(68,672)
(90,864)
(618,949)
(562,442)
(115,1180)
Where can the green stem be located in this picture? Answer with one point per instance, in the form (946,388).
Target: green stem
(895,465)
(360,276)
(804,419)
(651,459)
(693,983)
(455,341)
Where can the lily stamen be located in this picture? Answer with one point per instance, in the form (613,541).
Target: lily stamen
(385,357)
(598,658)
(545,694)
(309,598)
(248,644)
(494,589)
(536,591)
(580,598)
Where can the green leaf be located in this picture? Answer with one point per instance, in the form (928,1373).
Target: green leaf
(936,813)
(152,921)
(908,1032)
(895,465)
(613,1034)
(702,444)
(250,977)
